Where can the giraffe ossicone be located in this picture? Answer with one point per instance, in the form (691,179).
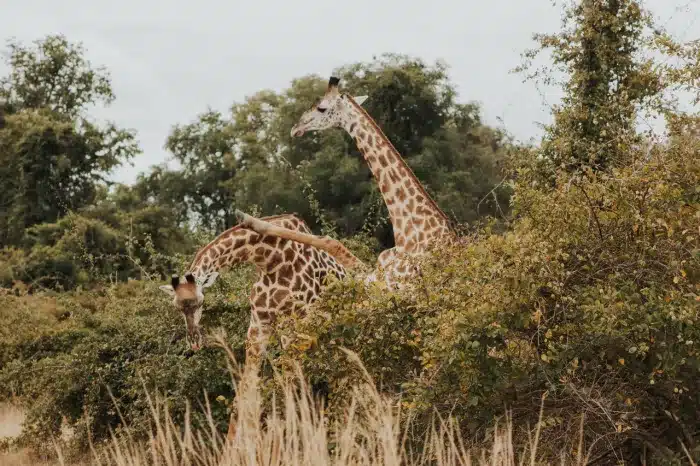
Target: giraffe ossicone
(328,112)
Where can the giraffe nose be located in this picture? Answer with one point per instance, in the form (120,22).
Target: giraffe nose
(296,132)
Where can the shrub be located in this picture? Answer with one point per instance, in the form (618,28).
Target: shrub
(90,357)
(590,300)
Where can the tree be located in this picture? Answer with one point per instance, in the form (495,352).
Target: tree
(53,74)
(51,157)
(607,83)
(249,159)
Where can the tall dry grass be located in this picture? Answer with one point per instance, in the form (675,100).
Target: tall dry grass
(298,432)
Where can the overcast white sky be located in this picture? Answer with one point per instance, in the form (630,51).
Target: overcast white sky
(171,60)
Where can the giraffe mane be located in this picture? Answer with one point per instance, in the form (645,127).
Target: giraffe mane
(211,243)
(396,152)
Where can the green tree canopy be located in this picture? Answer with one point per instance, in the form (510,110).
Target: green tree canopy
(607,82)
(249,159)
(51,157)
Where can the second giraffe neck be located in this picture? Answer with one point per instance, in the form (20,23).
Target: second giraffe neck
(415,217)
(235,246)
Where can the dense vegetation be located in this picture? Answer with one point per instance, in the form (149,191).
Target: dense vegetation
(576,281)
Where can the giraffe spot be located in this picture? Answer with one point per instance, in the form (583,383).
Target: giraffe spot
(244,254)
(279,296)
(394,177)
(253,333)
(263,315)
(297,284)
(382,160)
(370,159)
(362,135)
(288,254)
(401,194)
(370,140)
(298,265)
(227,242)
(400,240)
(271,240)
(411,205)
(266,280)
(411,191)
(421,235)
(410,245)
(286,272)
(352,126)
(432,222)
(260,300)
(385,188)
(275,260)
(407,183)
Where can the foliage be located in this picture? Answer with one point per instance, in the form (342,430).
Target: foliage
(608,80)
(119,237)
(52,159)
(592,298)
(586,296)
(249,160)
(92,357)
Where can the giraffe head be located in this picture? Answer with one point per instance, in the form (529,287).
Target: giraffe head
(331,111)
(188,297)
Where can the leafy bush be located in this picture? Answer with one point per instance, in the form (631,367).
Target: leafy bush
(591,300)
(67,355)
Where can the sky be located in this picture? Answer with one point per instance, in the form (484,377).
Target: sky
(170,61)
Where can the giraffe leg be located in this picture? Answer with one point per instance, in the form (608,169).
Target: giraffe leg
(256,342)
(332,246)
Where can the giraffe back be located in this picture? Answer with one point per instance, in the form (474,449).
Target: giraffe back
(295,273)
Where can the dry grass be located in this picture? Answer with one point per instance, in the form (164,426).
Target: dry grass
(299,433)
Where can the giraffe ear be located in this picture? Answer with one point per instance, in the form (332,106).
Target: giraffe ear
(360,99)
(209,281)
(167,289)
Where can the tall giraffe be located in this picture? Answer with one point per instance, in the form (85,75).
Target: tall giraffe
(417,221)
(289,273)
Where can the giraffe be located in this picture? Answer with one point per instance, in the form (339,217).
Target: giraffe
(289,274)
(418,223)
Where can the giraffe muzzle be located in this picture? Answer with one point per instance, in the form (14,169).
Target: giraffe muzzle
(296,132)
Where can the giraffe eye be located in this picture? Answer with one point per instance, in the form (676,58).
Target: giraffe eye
(321,109)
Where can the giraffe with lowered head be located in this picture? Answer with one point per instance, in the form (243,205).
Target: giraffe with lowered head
(289,273)
(418,223)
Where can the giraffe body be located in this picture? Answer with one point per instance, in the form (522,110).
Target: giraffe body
(290,276)
(289,273)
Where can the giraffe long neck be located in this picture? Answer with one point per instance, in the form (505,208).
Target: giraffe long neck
(415,217)
(235,245)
